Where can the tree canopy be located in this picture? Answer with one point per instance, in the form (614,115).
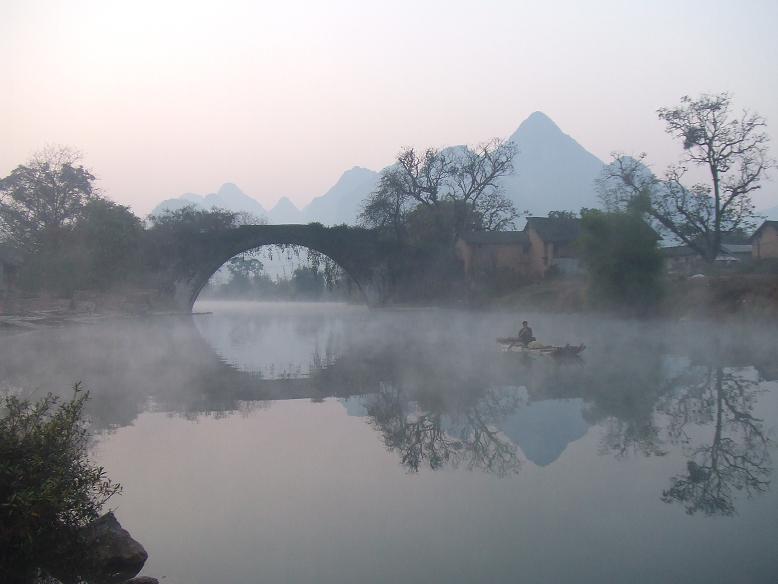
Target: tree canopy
(622,257)
(68,234)
(40,198)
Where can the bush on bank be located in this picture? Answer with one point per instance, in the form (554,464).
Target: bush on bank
(49,489)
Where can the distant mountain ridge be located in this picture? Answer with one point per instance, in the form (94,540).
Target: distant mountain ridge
(342,202)
(229,197)
(285,211)
(551,172)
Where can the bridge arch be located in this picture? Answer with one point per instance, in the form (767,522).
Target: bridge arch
(356,251)
(286,258)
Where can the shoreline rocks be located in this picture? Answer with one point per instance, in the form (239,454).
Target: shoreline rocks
(116,555)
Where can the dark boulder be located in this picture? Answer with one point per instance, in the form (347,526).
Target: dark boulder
(142,580)
(116,557)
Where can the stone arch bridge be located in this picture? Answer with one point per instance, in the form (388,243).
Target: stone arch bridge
(358,251)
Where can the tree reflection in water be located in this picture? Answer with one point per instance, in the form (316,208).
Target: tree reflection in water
(460,436)
(644,410)
(737,457)
(439,403)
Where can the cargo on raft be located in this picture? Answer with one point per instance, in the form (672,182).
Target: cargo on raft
(513,344)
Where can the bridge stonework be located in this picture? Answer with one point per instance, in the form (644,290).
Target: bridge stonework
(357,251)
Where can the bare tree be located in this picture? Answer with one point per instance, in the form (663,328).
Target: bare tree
(496,212)
(387,206)
(624,181)
(435,178)
(423,177)
(687,213)
(475,172)
(733,151)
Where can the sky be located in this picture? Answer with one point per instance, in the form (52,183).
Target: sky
(169,97)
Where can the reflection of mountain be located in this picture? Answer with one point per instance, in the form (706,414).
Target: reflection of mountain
(355,405)
(543,429)
(440,404)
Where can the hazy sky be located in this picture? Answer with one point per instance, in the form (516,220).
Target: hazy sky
(282,97)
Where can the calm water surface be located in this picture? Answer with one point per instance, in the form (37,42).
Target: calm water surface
(332,444)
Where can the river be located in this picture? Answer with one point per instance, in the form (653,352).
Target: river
(328,443)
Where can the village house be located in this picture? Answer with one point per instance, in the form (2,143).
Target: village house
(553,245)
(544,245)
(735,250)
(681,260)
(764,241)
(485,253)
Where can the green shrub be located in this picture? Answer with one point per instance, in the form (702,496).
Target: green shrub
(49,488)
(621,254)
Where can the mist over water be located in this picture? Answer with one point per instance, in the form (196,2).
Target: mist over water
(332,443)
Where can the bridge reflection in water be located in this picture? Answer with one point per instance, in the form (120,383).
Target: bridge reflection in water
(440,401)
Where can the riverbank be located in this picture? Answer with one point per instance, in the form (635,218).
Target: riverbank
(46,313)
(717,297)
(19,312)
(720,297)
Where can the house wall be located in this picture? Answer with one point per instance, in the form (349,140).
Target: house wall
(465,253)
(566,250)
(683,265)
(541,254)
(766,244)
(497,257)
(531,260)
(489,258)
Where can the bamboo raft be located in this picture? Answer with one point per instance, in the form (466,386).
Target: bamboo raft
(512,344)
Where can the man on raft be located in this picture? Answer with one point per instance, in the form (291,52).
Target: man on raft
(525,334)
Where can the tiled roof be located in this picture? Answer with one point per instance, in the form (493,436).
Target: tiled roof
(734,239)
(774,224)
(727,249)
(557,230)
(495,237)
(736,247)
(677,251)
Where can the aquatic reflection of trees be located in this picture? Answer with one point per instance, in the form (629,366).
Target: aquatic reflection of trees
(461,436)
(624,436)
(736,458)
(620,394)
(435,403)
